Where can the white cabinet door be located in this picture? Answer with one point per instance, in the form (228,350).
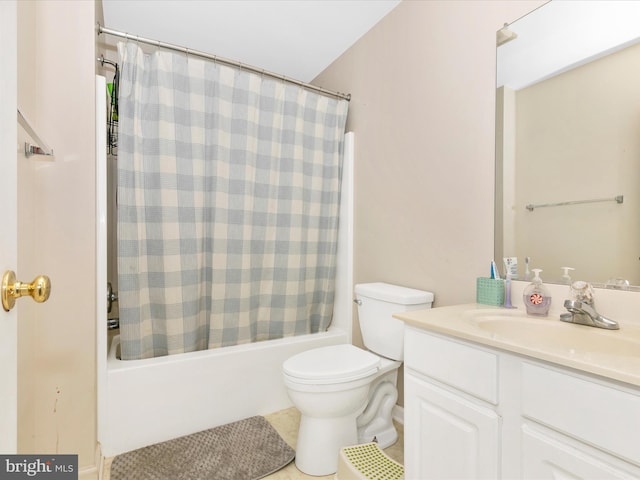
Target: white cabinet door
(547,455)
(448,436)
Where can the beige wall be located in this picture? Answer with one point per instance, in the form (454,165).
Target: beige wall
(56,204)
(577,139)
(423,108)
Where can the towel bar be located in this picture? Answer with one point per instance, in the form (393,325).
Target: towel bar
(29,149)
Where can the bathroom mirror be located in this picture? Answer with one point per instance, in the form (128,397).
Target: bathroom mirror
(568,142)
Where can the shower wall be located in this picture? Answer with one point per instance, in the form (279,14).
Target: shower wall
(112,221)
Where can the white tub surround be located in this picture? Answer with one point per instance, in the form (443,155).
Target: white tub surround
(157,399)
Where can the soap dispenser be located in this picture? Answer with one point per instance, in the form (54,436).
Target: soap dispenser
(536,298)
(566,278)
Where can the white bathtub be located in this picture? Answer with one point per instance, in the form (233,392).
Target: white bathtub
(157,399)
(142,402)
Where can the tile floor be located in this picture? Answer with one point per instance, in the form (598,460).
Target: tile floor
(286,423)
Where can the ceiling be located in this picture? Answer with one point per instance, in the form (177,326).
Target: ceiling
(295,38)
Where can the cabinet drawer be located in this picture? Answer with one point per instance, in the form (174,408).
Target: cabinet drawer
(604,416)
(547,454)
(464,367)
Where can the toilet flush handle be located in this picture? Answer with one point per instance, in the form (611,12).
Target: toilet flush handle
(357,301)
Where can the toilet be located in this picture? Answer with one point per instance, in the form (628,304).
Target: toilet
(345,394)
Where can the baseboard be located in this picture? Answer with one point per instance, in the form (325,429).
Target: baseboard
(397,413)
(88,473)
(93,472)
(101,465)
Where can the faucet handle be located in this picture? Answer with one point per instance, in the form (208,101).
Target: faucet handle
(582,291)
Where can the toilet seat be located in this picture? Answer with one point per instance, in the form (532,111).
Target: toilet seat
(330,365)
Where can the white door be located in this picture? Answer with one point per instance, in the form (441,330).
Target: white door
(8,221)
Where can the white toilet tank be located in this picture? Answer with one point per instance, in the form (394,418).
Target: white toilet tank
(377,302)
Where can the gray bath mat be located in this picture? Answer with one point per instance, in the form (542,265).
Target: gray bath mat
(244,450)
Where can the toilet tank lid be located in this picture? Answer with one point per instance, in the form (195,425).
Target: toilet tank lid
(393,293)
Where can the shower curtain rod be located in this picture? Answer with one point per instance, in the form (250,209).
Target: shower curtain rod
(222,60)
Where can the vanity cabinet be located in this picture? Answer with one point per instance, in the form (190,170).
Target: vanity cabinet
(473,412)
(452,428)
(450,437)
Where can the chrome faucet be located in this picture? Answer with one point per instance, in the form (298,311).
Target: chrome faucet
(584,314)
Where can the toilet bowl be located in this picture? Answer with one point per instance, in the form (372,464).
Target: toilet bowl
(344,393)
(330,387)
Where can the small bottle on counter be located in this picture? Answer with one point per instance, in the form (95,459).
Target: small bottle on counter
(536,298)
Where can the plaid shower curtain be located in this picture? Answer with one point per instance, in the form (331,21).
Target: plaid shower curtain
(228,196)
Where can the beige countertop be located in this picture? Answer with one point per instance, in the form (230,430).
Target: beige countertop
(614,354)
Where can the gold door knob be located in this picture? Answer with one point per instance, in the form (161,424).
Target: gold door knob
(39,289)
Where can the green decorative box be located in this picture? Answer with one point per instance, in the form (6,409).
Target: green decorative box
(490,291)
